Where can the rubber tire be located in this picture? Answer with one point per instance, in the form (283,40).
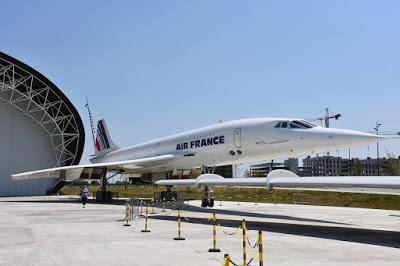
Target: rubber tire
(211,203)
(204,203)
(163,195)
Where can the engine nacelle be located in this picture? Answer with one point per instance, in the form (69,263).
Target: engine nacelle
(276,174)
(205,177)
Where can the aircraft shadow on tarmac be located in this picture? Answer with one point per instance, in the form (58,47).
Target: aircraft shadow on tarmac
(187,208)
(355,235)
(257,215)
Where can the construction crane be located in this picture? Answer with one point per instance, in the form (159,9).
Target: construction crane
(327,117)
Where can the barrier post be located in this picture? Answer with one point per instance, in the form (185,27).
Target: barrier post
(173,204)
(227,260)
(163,205)
(214,248)
(126,220)
(146,222)
(238,197)
(152,207)
(220,200)
(131,210)
(260,249)
(244,242)
(179,227)
(141,207)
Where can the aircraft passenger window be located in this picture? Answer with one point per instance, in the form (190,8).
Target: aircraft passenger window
(284,124)
(278,125)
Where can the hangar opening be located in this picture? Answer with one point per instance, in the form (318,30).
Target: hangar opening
(40,128)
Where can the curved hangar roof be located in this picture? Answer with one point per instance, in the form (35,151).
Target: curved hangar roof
(38,98)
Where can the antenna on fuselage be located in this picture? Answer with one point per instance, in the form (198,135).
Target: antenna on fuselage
(90,120)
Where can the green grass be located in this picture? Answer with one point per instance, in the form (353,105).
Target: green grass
(373,201)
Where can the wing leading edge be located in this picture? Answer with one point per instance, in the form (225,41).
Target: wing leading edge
(93,171)
(360,184)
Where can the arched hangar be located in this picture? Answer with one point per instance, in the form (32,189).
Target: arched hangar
(39,128)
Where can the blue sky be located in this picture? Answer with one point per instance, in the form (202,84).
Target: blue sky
(153,68)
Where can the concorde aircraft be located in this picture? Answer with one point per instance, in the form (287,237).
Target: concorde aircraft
(239,141)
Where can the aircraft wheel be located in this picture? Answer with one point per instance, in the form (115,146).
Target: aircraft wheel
(211,203)
(204,203)
(163,195)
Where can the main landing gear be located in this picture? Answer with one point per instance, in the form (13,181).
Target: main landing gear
(207,200)
(168,194)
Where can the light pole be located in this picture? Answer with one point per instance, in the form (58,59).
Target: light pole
(376,128)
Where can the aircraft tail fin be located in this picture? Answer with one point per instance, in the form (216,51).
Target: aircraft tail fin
(103,141)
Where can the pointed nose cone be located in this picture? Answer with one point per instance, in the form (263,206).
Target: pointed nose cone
(343,139)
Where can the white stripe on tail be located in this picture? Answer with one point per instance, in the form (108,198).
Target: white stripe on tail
(104,143)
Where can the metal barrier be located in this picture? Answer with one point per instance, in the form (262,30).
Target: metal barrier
(133,205)
(152,207)
(131,210)
(127,214)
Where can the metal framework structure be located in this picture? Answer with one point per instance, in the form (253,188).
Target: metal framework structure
(35,96)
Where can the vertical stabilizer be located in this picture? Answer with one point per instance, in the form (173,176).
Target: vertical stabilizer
(104,143)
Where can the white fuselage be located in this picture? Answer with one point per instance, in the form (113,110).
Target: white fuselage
(240,141)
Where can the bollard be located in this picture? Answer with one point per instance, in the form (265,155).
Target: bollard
(163,205)
(220,200)
(131,211)
(244,242)
(173,204)
(238,202)
(227,260)
(260,249)
(179,227)
(126,220)
(256,201)
(141,208)
(152,207)
(214,248)
(146,222)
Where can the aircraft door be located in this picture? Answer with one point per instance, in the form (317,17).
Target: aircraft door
(237,137)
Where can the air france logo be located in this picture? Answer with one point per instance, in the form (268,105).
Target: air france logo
(201,143)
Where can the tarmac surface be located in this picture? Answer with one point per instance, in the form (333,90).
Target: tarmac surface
(58,231)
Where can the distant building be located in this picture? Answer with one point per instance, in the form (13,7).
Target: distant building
(291,164)
(326,166)
(329,166)
(338,166)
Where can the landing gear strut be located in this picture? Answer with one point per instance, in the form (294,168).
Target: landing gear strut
(207,200)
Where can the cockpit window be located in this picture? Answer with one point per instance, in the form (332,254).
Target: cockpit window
(295,125)
(308,123)
(301,124)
